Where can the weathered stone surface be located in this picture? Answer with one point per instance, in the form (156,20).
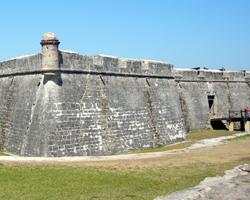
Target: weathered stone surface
(102,105)
(88,114)
(235,184)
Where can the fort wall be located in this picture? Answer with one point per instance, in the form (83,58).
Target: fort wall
(103,105)
(95,105)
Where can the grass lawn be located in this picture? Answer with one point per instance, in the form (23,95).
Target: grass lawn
(61,183)
(192,138)
(120,179)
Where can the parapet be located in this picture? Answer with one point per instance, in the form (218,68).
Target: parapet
(114,65)
(75,63)
(52,60)
(204,74)
(21,65)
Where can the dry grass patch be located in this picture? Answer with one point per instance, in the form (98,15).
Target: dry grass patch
(2,154)
(193,137)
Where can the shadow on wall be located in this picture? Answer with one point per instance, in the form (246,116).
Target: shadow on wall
(56,78)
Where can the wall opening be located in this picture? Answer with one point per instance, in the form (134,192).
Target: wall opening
(218,125)
(211,103)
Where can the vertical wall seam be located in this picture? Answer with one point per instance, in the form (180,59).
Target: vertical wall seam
(152,122)
(33,106)
(183,106)
(229,96)
(106,117)
(8,106)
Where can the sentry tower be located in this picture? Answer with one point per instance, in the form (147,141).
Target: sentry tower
(50,54)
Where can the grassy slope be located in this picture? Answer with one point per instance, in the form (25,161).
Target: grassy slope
(138,179)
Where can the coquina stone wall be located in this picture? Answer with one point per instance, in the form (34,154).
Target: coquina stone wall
(95,105)
(102,105)
(231,91)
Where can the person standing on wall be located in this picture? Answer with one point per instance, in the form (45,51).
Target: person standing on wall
(246,111)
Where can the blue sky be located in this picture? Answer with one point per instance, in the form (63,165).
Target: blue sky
(186,33)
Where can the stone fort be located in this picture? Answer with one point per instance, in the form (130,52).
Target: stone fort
(60,103)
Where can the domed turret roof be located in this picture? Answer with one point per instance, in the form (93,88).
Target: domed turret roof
(49,36)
